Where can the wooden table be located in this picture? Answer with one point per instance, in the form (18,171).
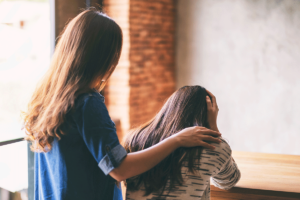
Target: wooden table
(264,177)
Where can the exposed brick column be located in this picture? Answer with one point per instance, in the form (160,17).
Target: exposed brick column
(152,67)
(117,91)
(145,76)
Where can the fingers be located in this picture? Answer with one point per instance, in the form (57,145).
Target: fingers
(206,145)
(212,133)
(214,100)
(208,102)
(210,94)
(206,131)
(208,138)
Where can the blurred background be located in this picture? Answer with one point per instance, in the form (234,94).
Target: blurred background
(246,52)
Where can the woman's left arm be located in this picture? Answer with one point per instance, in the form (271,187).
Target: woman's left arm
(139,162)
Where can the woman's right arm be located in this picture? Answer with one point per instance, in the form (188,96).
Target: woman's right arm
(229,174)
(139,162)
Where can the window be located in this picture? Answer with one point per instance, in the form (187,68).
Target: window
(24,57)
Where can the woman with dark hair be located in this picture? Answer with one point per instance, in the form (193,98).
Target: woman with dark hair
(185,173)
(77,152)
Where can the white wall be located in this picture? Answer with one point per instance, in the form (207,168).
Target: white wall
(247,52)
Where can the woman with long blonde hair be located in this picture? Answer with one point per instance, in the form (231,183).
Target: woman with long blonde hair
(77,152)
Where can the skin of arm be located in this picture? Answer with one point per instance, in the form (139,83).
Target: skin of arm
(140,162)
(212,112)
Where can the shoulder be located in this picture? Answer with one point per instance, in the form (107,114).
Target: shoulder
(223,148)
(220,154)
(91,105)
(92,98)
(211,161)
(91,102)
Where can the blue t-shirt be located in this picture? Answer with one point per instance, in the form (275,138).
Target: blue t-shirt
(78,164)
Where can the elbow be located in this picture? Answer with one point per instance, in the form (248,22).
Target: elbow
(117,175)
(228,182)
(120,178)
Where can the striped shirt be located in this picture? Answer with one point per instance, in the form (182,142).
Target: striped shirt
(215,165)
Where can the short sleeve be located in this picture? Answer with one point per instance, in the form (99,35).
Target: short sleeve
(99,133)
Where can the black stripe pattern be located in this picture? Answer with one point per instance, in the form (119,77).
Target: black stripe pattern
(215,165)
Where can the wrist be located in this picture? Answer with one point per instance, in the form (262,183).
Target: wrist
(175,140)
(214,127)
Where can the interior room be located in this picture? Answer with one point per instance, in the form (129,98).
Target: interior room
(246,52)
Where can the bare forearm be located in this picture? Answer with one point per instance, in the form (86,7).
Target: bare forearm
(139,162)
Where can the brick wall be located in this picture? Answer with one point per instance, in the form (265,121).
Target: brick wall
(151,57)
(145,76)
(117,91)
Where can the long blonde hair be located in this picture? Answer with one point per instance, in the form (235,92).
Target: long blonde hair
(87,51)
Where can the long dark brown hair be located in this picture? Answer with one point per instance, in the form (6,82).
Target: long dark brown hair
(88,51)
(185,108)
